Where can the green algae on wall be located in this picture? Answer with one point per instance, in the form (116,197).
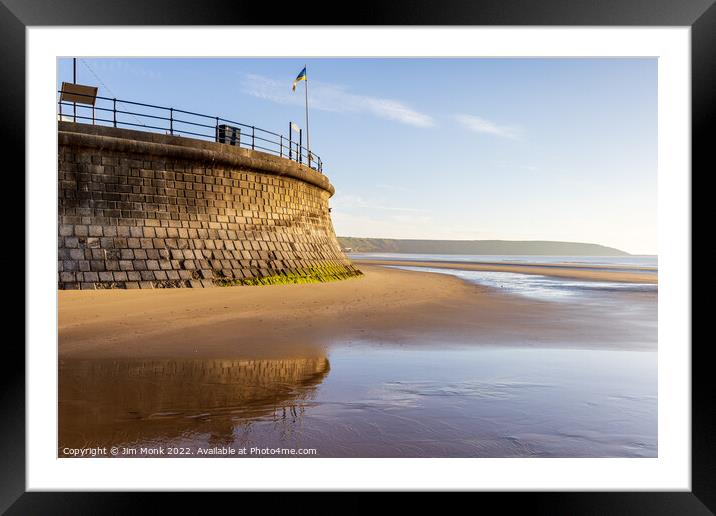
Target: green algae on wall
(310,275)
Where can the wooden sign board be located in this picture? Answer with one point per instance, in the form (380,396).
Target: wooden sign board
(78,93)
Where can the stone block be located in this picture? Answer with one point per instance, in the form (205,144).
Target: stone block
(106,276)
(97,265)
(119,276)
(67,277)
(139,265)
(70,265)
(112,254)
(90,276)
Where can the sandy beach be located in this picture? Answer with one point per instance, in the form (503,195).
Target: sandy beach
(384,306)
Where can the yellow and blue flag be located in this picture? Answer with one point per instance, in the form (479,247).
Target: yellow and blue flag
(301,77)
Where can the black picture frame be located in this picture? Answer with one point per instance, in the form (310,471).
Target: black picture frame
(17,15)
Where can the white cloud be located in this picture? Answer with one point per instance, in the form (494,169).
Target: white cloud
(481,125)
(335,98)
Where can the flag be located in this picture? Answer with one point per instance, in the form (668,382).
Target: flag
(301,77)
(295,127)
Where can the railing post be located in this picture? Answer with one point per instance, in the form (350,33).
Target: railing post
(300,145)
(171,121)
(216,130)
(114,112)
(280,148)
(253,136)
(290,142)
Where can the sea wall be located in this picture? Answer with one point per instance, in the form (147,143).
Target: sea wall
(146,210)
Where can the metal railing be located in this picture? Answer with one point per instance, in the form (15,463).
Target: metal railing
(124,113)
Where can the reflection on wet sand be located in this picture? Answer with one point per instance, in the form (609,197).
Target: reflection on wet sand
(153,402)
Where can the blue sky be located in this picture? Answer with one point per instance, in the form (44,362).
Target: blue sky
(529,149)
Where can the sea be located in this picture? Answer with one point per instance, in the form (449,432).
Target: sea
(649,261)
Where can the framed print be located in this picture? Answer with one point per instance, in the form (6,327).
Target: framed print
(432,250)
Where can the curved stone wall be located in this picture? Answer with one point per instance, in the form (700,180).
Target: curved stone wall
(145,210)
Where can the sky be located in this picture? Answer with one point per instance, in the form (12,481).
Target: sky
(460,149)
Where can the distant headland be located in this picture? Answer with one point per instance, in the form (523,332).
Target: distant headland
(497,247)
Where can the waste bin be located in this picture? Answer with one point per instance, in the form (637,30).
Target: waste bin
(228,134)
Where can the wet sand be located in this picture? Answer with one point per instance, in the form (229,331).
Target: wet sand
(562,270)
(106,401)
(385,306)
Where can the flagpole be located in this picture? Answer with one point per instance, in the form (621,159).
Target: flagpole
(308,141)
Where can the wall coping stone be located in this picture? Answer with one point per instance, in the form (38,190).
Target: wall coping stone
(178,147)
